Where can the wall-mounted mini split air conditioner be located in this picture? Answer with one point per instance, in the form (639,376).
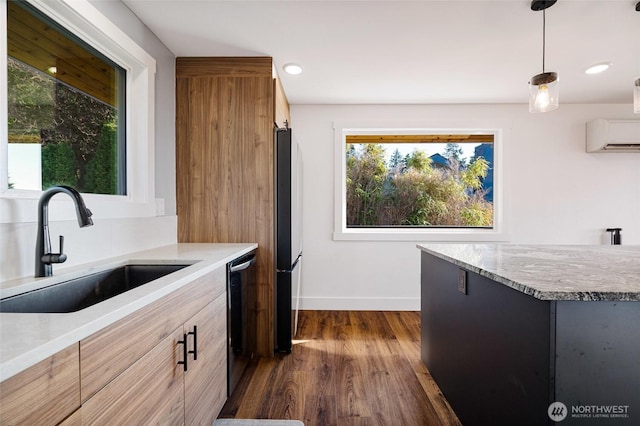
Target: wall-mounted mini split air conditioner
(613,135)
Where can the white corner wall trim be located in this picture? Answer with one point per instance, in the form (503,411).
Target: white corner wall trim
(360,303)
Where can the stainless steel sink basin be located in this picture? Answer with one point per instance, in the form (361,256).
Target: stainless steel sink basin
(80,293)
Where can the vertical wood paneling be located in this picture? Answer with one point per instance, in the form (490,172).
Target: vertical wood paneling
(183,149)
(264,216)
(208,123)
(225,190)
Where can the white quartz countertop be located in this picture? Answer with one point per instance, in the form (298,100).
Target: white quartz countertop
(26,339)
(552,272)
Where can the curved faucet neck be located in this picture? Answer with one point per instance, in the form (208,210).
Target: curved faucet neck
(82,213)
(43,242)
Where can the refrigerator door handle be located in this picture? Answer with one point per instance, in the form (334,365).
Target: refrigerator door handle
(292,266)
(242,266)
(297,307)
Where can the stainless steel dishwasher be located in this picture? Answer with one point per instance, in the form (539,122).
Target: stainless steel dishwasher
(240,316)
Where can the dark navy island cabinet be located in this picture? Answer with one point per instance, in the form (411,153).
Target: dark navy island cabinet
(502,357)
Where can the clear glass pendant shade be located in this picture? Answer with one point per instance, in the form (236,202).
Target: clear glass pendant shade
(544,92)
(636,96)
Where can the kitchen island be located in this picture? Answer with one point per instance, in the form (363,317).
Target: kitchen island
(509,330)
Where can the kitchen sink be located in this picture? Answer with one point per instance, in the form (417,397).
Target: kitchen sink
(82,292)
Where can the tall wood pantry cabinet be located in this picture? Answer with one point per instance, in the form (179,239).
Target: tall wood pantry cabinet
(226,109)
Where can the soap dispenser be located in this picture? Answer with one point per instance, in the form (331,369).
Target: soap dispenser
(616,238)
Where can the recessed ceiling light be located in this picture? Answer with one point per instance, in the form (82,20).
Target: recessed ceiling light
(52,70)
(598,68)
(293,69)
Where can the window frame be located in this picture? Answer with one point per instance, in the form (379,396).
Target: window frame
(500,229)
(87,23)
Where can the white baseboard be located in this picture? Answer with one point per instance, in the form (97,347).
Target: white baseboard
(360,303)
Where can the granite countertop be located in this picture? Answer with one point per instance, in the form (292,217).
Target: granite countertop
(552,272)
(26,339)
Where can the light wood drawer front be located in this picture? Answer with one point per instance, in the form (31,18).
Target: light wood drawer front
(106,354)
(73,420)
(149,392)
(43,394)
(205,381)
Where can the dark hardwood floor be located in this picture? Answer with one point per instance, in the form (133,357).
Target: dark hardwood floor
(347,368)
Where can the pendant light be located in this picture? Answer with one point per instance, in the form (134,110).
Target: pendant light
(543,88)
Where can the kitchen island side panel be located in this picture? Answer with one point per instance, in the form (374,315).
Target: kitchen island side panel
(598,362)
(489,349)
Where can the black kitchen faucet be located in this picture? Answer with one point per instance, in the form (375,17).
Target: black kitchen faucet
(44,257)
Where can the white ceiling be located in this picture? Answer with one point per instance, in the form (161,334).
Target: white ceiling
(425,51)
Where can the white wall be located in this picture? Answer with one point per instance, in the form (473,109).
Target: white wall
(557,194)
(112,237)
(165,134)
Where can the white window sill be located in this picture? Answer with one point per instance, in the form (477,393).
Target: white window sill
(430,235)
(22,207)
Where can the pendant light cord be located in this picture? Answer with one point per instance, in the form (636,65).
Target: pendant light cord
(543,36)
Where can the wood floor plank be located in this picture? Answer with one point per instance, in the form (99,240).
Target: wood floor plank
(256,389)
(347,368)
(320,403)
(408,403)
(286,390)
(406,326)
(375,374)
(351,395)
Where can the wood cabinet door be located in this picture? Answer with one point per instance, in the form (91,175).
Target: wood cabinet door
(109,352)
(43,394)
(151,391)
(205,381)
(74,419)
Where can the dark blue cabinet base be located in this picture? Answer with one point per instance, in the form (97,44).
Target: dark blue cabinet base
(502,357)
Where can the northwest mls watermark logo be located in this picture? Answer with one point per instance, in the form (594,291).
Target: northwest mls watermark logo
(557,411)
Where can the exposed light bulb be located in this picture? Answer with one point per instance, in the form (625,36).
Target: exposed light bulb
(543,99)
(543,92)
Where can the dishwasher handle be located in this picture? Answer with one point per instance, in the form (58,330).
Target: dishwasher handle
(243,266)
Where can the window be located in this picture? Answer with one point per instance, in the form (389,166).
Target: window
(419,181)
(418,184)
(109,78)
(66,108)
